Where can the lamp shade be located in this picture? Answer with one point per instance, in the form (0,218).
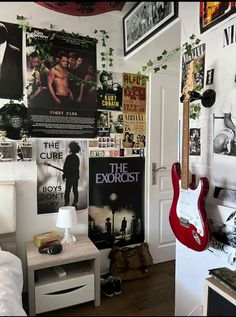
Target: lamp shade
(66,217)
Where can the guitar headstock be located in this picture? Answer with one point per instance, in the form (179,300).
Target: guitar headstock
(190,83)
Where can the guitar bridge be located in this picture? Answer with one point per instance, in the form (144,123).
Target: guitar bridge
(184,222)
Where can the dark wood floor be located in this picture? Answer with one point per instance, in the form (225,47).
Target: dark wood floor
(149,296)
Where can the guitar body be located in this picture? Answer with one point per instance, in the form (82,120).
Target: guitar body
(187,217)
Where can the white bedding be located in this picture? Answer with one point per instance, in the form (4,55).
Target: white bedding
(11,285)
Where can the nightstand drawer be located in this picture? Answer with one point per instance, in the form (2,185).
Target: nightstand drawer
(64,292)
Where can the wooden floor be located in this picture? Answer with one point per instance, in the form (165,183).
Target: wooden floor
(150,296)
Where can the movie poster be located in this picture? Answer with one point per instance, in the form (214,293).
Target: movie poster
(60,100)
(116,201)
(11,78)
(212,13)
(134,110)
(62,174)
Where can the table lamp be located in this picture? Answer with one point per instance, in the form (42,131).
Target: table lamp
(66,218)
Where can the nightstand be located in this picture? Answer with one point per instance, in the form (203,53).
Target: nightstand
(47,291)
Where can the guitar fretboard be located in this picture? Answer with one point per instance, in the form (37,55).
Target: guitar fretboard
(185,146)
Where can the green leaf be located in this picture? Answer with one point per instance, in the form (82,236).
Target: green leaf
(95,31)
(197,41)
(198,87)
(164,66)
(144,68)
(156,69)
(150,63)
(159,58)
(192,37)
(164,52)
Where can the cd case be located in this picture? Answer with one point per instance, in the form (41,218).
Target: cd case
(225,275)
(24,151)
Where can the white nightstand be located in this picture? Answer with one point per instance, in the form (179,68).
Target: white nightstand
(47,291)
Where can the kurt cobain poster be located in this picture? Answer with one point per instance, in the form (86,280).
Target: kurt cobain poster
(116,201)
(61,101)
(52,178)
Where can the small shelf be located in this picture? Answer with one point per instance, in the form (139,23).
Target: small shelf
(73,270)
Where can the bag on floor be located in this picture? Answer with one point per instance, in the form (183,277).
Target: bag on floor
(131,263)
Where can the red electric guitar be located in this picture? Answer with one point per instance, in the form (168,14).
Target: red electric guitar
(187,216)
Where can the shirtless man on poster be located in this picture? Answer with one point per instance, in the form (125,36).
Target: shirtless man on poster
(58,81)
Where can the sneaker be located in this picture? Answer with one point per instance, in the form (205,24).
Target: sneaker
(117,286)
(107,287)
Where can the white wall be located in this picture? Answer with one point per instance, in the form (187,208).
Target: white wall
(191,266)
(25,173)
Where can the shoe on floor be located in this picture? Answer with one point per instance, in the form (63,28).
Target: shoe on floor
(117,286)
(107,287)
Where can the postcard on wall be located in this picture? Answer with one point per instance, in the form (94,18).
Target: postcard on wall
(60,102)
(116,201)
(11,77)
(61,174)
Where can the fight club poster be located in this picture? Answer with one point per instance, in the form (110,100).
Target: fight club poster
(134,110)
(51,183)
(11,78)
(60,100)
(116,201)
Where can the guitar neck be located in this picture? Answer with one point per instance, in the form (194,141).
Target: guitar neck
(185,175)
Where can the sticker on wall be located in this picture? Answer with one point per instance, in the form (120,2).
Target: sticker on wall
(6,148)
(209,76)
(116,201)
(61,174)
(195,141)
(24,149)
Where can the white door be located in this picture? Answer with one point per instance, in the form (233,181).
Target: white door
(163,101)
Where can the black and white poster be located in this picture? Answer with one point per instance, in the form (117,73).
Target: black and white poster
(11,78)
(61,75)
(62,174)
(116,201)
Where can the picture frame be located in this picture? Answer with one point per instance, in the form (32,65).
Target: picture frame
(144,20)
(212,13)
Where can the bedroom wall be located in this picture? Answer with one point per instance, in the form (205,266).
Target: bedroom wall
(191,266)
(25,173)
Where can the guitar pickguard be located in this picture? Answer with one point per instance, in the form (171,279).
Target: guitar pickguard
(187,208)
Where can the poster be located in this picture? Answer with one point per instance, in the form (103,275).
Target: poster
(212,13)
(134,110)
(60,100)
(116,201)
(11,78)
(51,184)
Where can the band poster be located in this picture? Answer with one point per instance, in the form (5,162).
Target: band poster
(116,201)
(134,110)
(11,77)
(59,103)
(62,174)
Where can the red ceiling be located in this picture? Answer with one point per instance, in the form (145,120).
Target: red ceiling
(83,8)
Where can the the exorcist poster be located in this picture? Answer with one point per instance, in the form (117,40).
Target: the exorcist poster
(116,201)
(134,110)
(62,174)
(59,67)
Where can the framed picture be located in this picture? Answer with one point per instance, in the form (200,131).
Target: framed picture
(144,20)
(211,13)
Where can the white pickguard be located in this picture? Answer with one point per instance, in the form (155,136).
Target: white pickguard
(187,207)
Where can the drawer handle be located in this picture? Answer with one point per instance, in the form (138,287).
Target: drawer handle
(66,290)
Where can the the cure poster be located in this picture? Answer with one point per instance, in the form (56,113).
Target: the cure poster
(134,110)
(61,70)
(116,201)
(62,174)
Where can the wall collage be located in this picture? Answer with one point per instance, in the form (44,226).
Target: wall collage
(89,143)
(212,132)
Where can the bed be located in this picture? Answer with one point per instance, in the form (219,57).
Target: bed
(11,272)
(11,285)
